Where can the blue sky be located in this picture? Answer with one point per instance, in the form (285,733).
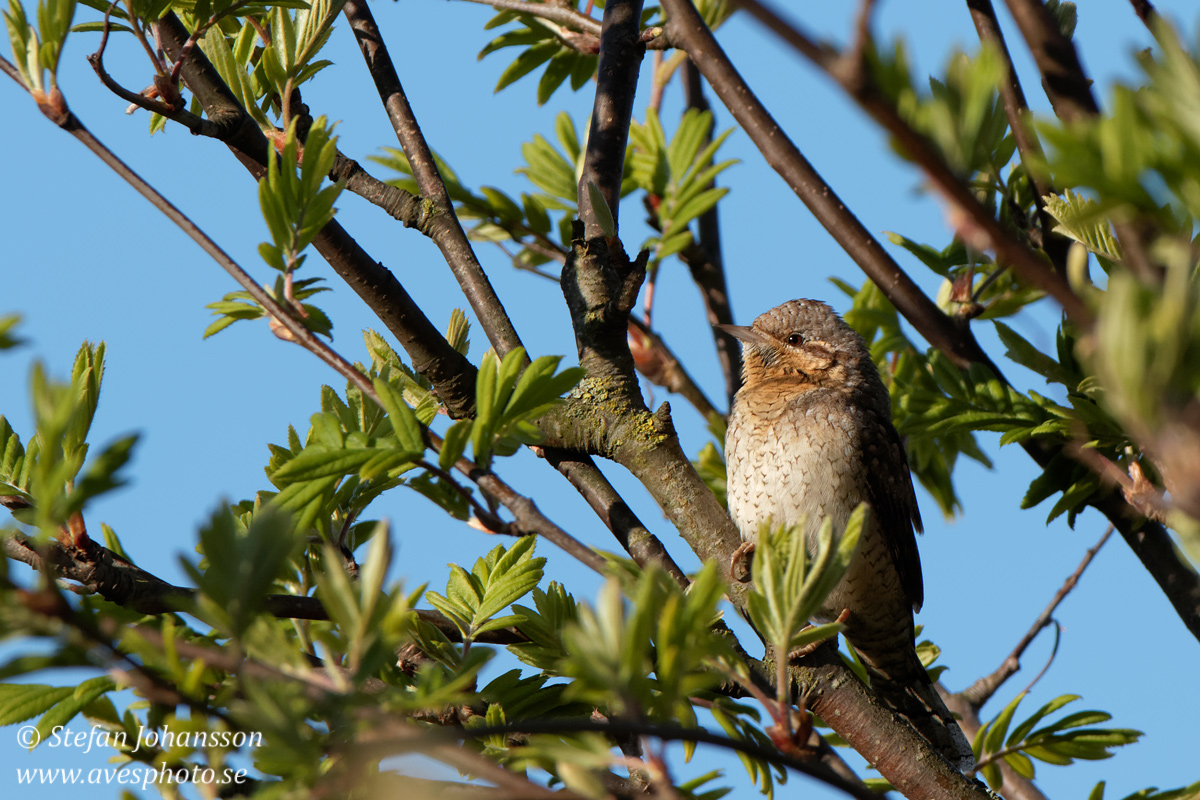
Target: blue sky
(86,258)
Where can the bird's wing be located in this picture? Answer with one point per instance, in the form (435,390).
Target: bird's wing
(893,502)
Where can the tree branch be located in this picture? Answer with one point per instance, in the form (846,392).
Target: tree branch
(606,414)
(978,693)
(563,15)
(447,231)
(643,546)
(528,518)
(832,692)
(621,52)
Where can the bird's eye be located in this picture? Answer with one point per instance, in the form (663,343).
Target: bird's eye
(795,339)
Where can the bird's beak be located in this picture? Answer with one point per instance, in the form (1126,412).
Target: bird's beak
(747,336)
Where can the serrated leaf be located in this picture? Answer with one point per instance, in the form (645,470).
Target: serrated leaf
(19,702)
(319,462)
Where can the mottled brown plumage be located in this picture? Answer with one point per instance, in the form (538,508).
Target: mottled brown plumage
(811,436)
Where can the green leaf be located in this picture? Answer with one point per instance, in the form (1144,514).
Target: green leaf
(243,564)
(526,62)
(998,729)
(454,443)
(409,433)
(1025,354)
(68,708)
(19,702)
(1085,221)
(317,461)
(557,71)
(101,476)
(8,323)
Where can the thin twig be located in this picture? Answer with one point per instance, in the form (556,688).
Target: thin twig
(560,14)
(1049,659)
(195,124)
(981,690)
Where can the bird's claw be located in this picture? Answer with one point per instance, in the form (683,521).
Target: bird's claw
(739,562)
(797,653)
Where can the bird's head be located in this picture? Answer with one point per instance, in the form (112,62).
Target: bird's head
(805,342)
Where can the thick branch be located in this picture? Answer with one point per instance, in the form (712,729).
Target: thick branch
(607,415)
(893,747)
(447,232)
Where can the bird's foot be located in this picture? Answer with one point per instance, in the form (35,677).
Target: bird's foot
(797,653)
(739,562)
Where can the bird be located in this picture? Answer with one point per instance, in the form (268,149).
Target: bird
(810,437)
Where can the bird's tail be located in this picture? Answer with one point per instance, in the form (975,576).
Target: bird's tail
(904,685)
